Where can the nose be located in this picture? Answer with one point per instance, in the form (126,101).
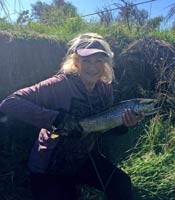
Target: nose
(92,67)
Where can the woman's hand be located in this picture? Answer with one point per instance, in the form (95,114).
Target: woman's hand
(129,119)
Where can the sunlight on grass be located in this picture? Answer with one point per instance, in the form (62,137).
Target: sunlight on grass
(151,165)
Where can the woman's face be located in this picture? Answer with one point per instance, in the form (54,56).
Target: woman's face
(91,67)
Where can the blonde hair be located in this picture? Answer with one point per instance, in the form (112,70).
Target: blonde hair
(69,66)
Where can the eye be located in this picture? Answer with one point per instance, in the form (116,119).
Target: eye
(85,60)
(100,61)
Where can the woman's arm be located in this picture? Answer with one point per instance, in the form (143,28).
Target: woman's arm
(32,104)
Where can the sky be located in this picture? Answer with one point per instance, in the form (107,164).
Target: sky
(155,8)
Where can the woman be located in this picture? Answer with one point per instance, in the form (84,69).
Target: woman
(62,157)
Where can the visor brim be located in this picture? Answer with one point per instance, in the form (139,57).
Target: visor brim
(88,52)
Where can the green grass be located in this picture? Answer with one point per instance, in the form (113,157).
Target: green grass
(71,27)
(151,163)
(166,35)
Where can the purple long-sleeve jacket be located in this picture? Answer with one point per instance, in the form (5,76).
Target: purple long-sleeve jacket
(40,104)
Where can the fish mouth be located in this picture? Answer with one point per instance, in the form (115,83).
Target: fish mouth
(141,101)
(154,110)
(148,101)
(152,105)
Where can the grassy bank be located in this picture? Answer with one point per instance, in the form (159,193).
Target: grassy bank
(66,31)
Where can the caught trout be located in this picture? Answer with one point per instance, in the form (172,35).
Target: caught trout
(113,117)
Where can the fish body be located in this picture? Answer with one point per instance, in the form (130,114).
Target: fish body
(113,117)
